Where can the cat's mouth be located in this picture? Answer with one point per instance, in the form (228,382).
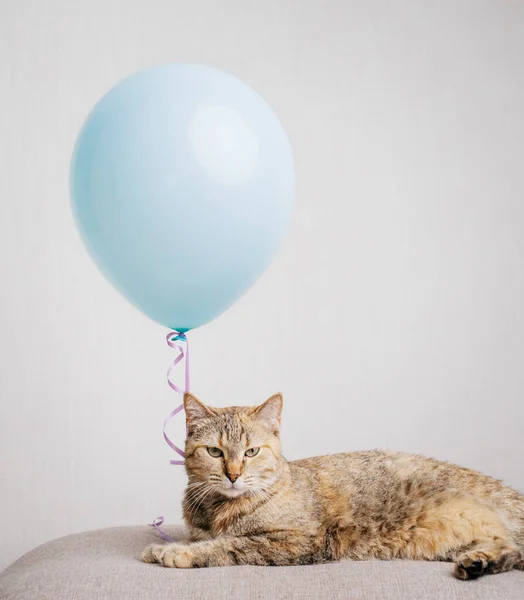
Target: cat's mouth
(233,489)
(233,492)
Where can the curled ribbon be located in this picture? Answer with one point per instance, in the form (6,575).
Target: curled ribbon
(156,524)
(174,340)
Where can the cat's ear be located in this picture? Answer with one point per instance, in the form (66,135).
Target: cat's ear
(271,411)
(195,410)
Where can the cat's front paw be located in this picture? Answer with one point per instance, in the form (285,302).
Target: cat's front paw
(170,555)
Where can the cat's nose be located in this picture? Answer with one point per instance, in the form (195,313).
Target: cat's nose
(232,476)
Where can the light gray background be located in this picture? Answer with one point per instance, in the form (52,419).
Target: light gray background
(393,316)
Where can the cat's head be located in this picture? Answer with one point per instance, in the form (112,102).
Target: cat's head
(234,450)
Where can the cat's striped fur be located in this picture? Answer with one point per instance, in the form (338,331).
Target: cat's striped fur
(264,510)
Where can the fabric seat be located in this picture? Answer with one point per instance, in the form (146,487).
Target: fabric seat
(105,564)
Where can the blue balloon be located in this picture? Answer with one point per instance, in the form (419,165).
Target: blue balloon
(182,186)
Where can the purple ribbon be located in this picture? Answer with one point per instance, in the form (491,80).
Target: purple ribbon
(174,340)
(156,524)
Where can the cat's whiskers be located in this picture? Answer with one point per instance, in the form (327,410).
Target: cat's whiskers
(196,501)
(201,499)
(191,508)
(262,493)
(195,494)
(195,484)
(194,489)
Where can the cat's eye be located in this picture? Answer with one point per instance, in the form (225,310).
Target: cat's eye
(252,452)
(214,452)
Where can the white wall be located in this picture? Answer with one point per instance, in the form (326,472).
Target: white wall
(393,317)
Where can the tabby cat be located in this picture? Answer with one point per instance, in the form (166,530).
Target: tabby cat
(246,504)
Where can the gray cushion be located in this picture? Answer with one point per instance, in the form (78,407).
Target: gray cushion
(105,564)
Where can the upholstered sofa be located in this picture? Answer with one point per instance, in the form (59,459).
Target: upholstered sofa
(105,564)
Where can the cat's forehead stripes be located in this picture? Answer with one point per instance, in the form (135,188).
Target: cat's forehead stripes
(228,428)
(231,427)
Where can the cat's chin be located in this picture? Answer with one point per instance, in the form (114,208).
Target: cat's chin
(232,492)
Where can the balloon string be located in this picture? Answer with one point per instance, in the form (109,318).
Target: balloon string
(175,339)
(156,524)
